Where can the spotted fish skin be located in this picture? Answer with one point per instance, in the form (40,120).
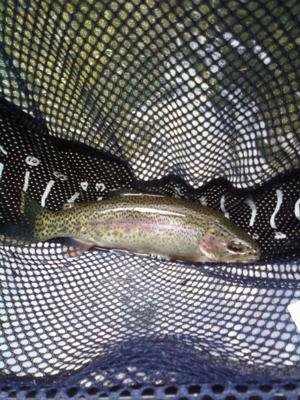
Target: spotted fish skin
(151,224)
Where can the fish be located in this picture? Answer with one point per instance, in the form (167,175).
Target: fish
(171,228)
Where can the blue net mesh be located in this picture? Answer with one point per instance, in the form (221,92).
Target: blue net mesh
(193,99)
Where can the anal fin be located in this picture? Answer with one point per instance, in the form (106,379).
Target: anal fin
(75,247)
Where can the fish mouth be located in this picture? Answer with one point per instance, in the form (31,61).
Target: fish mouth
(225,251)
(241,259)
(229,258)
(248,258)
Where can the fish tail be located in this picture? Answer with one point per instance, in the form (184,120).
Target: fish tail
(43,224)
(18,230)
(35,216)
(35,223)
(29,208)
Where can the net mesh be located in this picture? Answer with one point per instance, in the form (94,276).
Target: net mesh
(194,99)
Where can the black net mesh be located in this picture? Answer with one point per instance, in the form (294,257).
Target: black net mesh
(194,99)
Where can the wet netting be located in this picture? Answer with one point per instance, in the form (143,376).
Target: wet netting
(192,99)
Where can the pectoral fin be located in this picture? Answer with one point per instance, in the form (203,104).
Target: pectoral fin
(75,247)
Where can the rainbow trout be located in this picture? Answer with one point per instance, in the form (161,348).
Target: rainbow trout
(143,223)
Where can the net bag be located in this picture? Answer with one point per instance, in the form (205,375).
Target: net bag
(193,99)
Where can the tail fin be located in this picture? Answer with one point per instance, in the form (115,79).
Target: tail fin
(23,229)
(29,208)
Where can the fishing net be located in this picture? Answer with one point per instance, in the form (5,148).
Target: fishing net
(193,99)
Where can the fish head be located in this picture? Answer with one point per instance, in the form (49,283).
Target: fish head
(229,245)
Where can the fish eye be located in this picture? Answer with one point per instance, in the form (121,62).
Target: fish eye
(236,247)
